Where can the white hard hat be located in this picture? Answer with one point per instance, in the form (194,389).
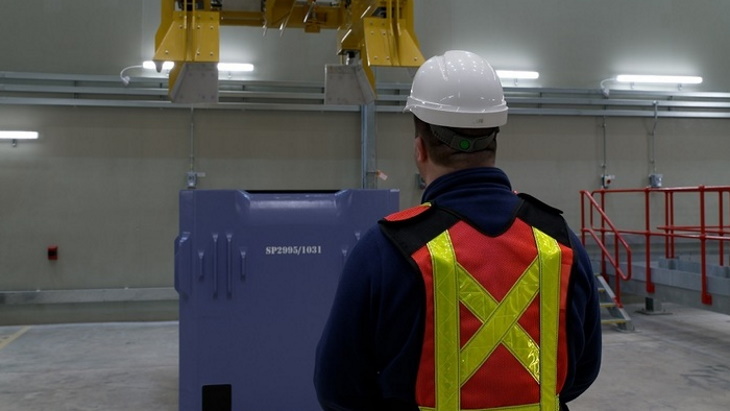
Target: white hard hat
(459,89)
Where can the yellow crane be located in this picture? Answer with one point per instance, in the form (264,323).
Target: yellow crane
(379,32)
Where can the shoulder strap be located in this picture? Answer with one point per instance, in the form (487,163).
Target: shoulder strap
(543,217)
(410,234)
(413,228)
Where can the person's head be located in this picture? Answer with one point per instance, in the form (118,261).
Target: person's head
(458,106)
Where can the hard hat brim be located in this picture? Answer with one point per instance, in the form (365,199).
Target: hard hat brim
(484,119)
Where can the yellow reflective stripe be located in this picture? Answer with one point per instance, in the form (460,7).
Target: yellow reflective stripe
(550,263)
(446,312)
(524,349)
(505,316)
(474,296)
(528,407)
(478,300)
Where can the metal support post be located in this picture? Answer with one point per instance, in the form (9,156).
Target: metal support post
(706,296)
(652,306)
(647,238)
(368,149)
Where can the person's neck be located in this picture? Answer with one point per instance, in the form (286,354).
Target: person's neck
(435,171)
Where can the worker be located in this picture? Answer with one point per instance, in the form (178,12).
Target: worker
(477,299)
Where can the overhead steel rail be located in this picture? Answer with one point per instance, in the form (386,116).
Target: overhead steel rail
(21,88)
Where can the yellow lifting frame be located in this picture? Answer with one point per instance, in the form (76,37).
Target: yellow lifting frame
(390,41)
(186,36)
(381,31)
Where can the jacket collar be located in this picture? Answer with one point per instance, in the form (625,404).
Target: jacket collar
(471,179)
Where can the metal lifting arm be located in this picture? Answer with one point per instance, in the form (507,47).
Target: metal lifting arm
(189,36)
(380,31)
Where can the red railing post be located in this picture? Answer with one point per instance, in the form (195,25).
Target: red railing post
(617,263)
(603,239)
(721,222)
(583,217)
(667,227)
(606,257)
(672,238)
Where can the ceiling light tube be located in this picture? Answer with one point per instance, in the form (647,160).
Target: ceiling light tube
(512,74)
(633,78)
(231,67)
(18,135)
(150,65)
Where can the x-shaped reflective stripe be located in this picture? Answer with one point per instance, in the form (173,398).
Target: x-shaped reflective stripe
(500,321)
(483,306)
(454,365)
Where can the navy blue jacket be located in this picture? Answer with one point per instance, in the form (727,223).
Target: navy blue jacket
(369,353)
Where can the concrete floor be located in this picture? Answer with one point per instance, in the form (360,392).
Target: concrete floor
(678,361)
(672,362)
(104,366)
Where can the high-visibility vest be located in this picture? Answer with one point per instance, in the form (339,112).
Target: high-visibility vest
(495,332)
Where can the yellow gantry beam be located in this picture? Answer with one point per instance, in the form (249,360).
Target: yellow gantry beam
(309,15)
(187,35)
(380,31)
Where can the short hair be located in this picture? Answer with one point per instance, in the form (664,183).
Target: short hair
(444,155)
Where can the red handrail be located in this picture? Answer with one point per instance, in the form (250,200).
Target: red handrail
(601,242)
(669,231)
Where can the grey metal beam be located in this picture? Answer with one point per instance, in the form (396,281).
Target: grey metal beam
(167,104)
(367,149)
(151,92)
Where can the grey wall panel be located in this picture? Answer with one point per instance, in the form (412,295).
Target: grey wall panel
(102,184)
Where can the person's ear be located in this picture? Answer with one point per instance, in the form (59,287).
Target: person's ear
(420,150)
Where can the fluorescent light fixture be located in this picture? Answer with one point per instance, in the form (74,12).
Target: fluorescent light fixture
(230,67)
(632,78)
(512,74)
(150,65)
(235,67)
(19,135)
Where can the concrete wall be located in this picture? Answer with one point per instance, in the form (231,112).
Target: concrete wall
(102,183)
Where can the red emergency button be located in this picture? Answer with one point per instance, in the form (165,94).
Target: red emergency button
(53,252)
